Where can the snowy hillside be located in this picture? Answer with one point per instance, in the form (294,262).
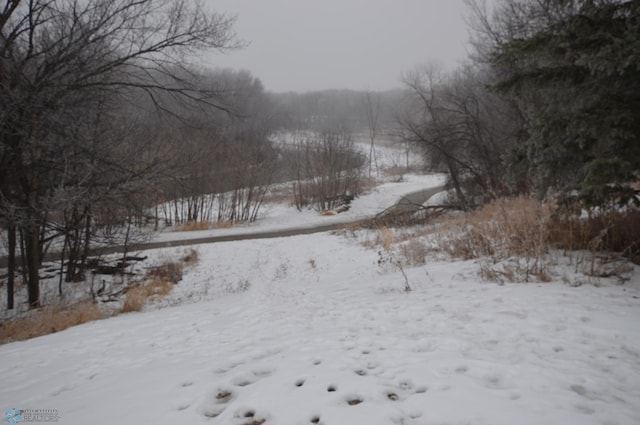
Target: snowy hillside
(309,329)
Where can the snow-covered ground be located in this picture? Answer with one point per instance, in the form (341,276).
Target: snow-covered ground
(274,217)
(310,329)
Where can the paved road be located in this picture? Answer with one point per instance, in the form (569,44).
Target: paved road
(414,200)
(409,202)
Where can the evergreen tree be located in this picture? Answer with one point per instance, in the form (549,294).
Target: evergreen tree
(575,69)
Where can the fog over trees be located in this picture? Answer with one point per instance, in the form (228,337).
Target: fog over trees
(106,125)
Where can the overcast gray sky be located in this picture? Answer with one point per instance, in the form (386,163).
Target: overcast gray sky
(301,45)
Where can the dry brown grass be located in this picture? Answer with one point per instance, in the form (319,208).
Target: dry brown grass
(600,244)
(137,295)
(396,171)
(223,224)
(192,226)
(158,281)
(387,237)
(384,238)
(614,231)
(510,235)
(515,239)
(414,252)
(170,271)
(506,227)
(49,320)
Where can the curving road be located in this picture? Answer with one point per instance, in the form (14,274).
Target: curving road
(409,202)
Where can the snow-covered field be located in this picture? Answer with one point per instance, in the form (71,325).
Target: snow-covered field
(310,329)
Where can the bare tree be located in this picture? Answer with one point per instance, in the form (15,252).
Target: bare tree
(225,160)
(326,170)
(463,129)
(372,106)
(60,60)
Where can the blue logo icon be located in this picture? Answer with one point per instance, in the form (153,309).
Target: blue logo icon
(13,416)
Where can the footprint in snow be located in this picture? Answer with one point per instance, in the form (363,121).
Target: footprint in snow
(241,381)
(405,385)
(63,389)
(514,396)
(223,395)
(354,401)
(585,409)
(493,381)
(226,368)
(392,396)
(421,389)
(372,365)
(213,412)
(263,372)
(250,416)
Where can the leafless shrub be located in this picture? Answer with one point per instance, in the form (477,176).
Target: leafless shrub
(326,169)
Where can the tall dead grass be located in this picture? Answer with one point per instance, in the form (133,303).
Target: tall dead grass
(158,281)
(511,236)
(600,231)
(515,240)
(192,226)
(137,295)
(49,320)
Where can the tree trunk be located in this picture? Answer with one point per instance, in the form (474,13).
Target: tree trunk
(453,174)
(62,256)
(11,265)
(32,236)
(87,239)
